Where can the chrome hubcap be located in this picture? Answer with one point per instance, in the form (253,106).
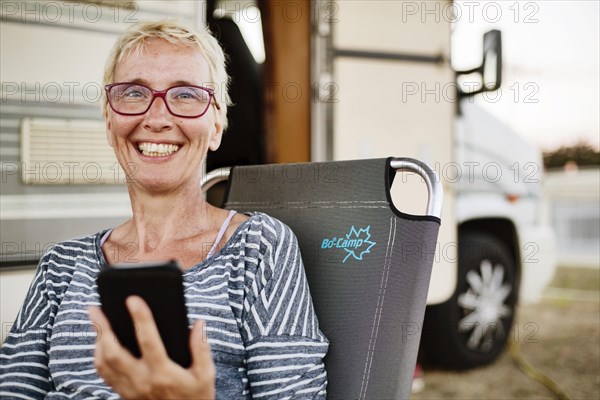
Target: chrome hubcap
(484,306)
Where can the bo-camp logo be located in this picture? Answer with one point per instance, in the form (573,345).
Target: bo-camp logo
(356,243)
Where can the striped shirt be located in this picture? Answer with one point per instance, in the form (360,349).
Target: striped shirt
(252,294)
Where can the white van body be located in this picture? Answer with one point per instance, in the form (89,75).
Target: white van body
(395,93)
(506,183)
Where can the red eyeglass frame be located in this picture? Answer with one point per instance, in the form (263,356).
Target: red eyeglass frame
(162,94)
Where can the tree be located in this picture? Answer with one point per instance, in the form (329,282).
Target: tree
(581,153)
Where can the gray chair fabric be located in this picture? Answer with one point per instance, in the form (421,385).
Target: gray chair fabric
(368,265)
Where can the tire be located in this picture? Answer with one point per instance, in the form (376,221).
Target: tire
(471,328)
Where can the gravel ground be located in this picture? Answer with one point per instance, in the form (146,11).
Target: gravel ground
(560,336)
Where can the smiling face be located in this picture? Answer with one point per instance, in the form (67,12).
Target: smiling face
(161,151)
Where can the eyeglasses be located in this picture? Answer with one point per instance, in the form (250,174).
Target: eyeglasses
(182,101)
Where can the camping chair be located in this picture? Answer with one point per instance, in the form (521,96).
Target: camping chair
(367,263)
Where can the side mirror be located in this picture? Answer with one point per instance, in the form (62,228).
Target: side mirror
(490,70)
(492,60)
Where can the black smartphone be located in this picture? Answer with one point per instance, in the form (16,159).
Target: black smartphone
(161,286)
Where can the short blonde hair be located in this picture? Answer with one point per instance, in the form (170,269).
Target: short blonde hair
(134,39)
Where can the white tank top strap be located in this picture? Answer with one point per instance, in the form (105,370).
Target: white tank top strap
(221,233)
(105,236)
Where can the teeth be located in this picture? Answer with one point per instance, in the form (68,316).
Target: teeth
(157,149)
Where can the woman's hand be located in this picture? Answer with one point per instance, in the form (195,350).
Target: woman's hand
(154,375)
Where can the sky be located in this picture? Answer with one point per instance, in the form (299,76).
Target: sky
(551,67)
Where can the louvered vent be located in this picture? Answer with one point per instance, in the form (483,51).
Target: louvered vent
(67,151)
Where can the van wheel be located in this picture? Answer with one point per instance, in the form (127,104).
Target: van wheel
(472,327)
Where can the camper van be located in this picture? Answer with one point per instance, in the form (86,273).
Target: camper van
(311,81)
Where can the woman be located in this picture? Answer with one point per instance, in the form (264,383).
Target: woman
(243,275)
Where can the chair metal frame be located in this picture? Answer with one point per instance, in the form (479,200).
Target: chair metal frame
(434,187)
